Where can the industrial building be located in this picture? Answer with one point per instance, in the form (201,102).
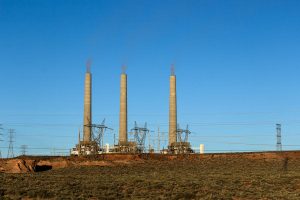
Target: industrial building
(90,144)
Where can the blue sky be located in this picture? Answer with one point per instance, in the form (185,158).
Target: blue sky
(237,67)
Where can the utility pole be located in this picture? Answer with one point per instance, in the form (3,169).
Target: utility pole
(10,153)
(23,149)
(158,140)
(153,144)
(114,138)
(149,142)
(162,140)
(278,144)
(79,143)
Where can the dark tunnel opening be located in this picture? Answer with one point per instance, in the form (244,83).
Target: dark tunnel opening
(42,168)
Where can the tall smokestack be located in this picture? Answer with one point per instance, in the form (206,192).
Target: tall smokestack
(87,113)
(123,110)
(172,109)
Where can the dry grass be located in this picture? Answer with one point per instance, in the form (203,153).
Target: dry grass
(218,178)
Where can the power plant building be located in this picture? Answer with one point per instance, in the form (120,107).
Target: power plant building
(90,145)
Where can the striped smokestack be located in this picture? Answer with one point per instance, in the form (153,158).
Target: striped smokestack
(123,110)
(87,113)
(172,110)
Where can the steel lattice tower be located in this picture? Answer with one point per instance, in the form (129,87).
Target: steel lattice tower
(10,153)
(140,136)
(1,129)
(278,144)
(23,149)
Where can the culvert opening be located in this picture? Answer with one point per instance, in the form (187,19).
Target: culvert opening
(42,168)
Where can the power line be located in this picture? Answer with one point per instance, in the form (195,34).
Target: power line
(43,135)
(193,135)
(157,124)
(41,148)
(294,110)
(198,135)
(254,123)
(228,136)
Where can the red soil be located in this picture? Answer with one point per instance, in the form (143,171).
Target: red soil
(32,164)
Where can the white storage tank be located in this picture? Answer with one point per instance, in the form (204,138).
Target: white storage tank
(201,148)
(107,148)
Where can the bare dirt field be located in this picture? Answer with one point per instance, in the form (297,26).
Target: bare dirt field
(211,176)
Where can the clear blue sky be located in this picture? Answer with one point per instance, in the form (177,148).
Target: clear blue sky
(237,66)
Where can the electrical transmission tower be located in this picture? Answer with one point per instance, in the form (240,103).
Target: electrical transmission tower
(182,144)
(1,134)
(161,140)
(180,132)
(10,153)
(98,133)
(278,144)
(23,149)
(140,135)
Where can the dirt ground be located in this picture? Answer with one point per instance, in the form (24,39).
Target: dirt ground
(214,176)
